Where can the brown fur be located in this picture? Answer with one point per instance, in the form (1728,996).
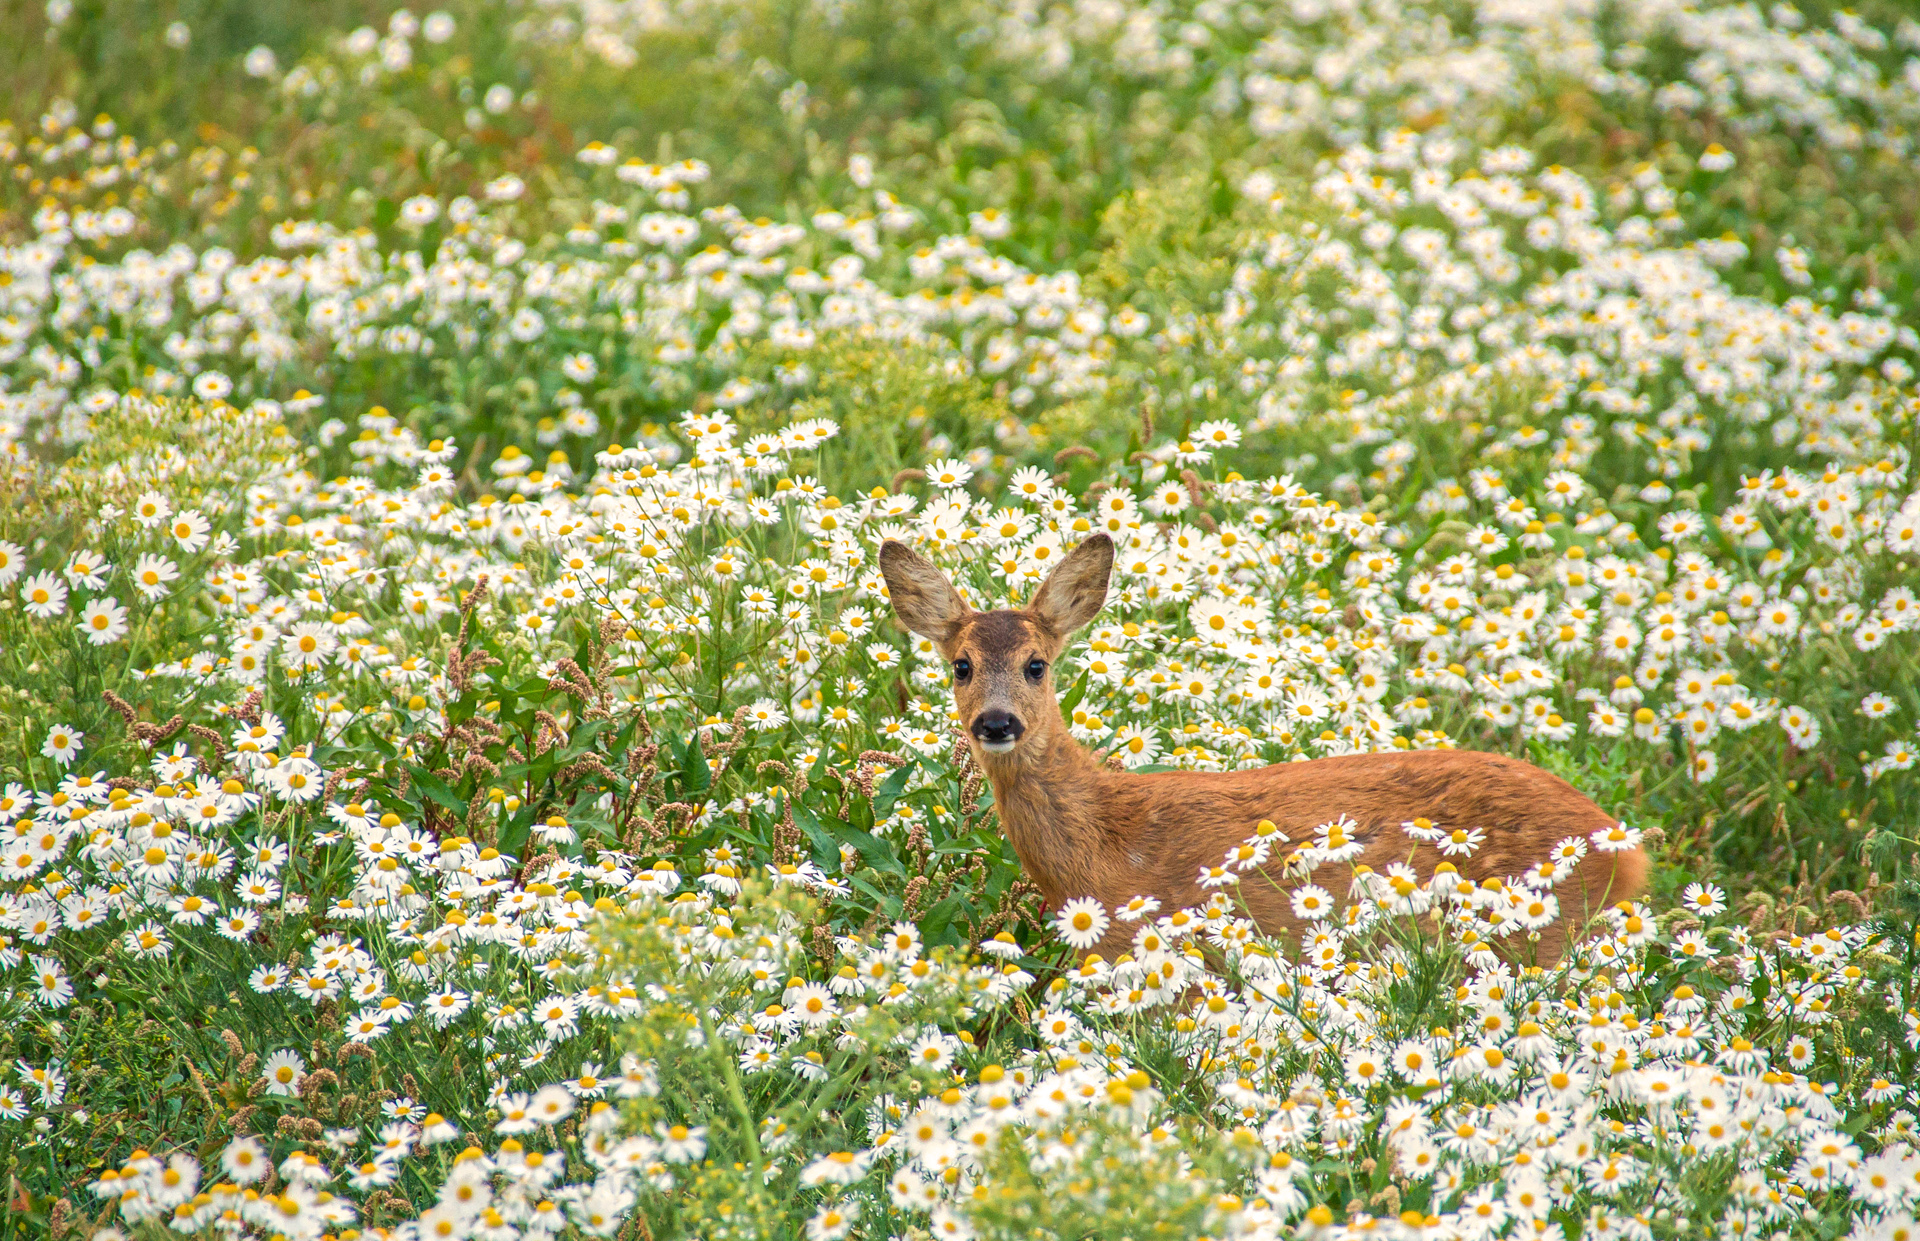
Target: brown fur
(1084,830)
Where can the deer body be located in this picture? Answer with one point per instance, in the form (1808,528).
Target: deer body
(1081,829)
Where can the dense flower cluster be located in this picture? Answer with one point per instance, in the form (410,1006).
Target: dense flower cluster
(1223,649)
(1343,71)
(1532,1099)
(640,288)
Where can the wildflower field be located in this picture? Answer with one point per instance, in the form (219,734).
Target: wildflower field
(461,775)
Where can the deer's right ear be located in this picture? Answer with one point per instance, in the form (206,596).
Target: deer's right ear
(923,598)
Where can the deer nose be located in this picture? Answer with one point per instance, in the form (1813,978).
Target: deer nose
(998,728)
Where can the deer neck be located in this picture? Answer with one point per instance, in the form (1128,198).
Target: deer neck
(1045,795)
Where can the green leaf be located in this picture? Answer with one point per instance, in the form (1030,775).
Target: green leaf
(695,775)
(381,746)
(535,688)
(1074,696)
(877,852)
(864,884)
(582,737)
(826,850)
(514,836)
(436,788)
(936,924)
(888,791)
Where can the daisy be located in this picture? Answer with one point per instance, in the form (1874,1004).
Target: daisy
(245,1160)
(282,1073)
(83,913)
(152,574)
(374,1174)
(315,985)
(516,1115)
(932,1052)
(62,744)
(1704,899)
(307,646)
(833,1221)
(681,1143)
(103,621)
(86,570)
(590,1084)
(551,1104)
(237,925)
(1312,902)
(1461,841)
(948,473)
(1616,839)
(836,1168)
(813,1004)
(367,1026)
(1535,910)
(1877,706)
(51,986)
(151,509)
(190,530)
(1081,922)
(557,1016)
(1211,877)
(147,941)
(443,1007)
(43,596)
(257,889)
(190,910)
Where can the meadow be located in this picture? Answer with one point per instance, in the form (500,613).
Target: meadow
(461,776)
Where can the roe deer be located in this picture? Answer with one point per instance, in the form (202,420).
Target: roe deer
(1082,829)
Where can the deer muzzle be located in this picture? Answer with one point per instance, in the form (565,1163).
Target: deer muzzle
(997,731)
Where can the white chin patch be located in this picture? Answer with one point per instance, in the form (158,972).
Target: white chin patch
(996,747)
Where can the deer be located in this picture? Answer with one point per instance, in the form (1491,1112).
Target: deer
(1084,829)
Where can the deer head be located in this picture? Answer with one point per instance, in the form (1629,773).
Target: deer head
(1002,660)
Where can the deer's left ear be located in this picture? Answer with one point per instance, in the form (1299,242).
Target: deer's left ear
(1074,593)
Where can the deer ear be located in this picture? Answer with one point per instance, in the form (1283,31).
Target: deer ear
(923,598)
(1074,593)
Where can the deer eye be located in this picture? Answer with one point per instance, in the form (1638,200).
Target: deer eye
(962,668)
(1036,668)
